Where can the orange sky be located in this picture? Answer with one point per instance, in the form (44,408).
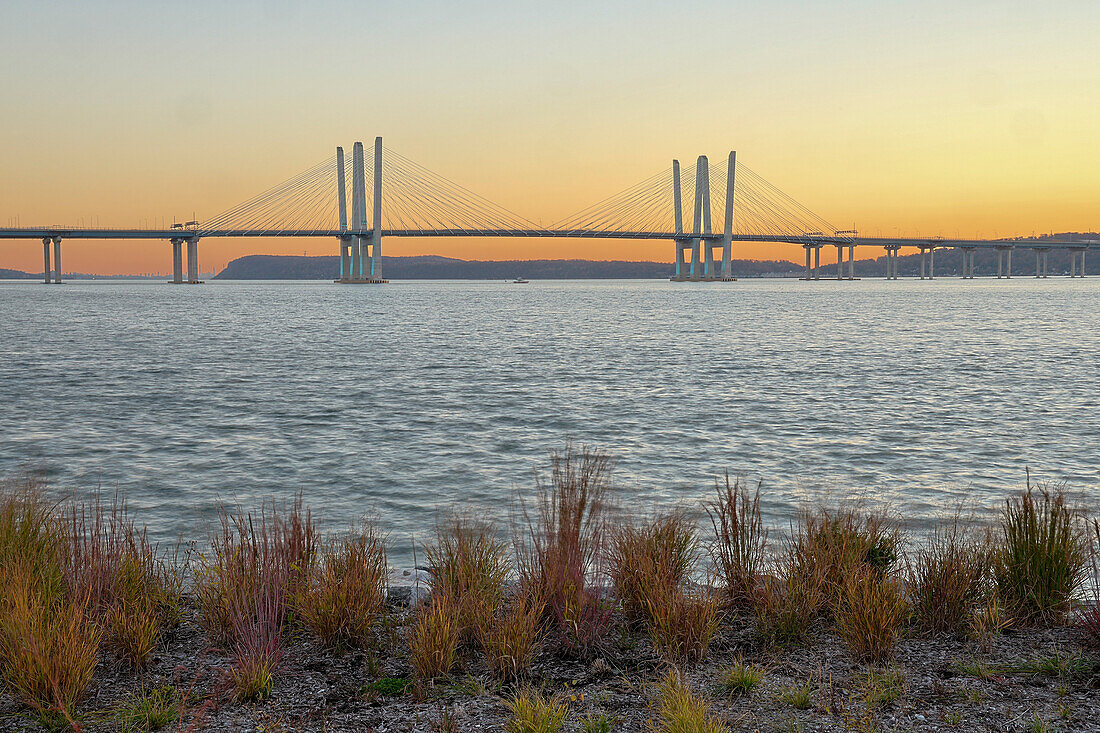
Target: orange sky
(908,118)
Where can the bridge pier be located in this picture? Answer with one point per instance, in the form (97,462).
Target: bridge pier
(1073,270)
(817,261)
(1041,262)
(177,261)
(967,263)
(46,267)
(57,260)
(193,261)
(840,262)
(851,262)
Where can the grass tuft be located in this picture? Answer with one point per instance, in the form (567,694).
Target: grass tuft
(532,712)
(563,548)
(870,615)
(346,590)
(433,639)
(740,678)
(681,711)
(740,540)
(949,577)
(512,638)
(1040,560)
(151,709)
(469,565)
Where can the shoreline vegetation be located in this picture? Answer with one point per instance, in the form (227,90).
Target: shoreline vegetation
(590,619)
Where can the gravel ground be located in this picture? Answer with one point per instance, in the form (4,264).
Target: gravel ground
(945,684)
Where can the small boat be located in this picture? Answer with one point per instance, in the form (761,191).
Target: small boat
(520,280)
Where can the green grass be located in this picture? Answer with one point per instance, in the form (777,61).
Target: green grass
(740,678)
(532,712)
(598,723)
(799,697)
(882,688)
(151,710)
(388,687)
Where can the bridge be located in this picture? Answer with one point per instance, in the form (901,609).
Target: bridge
(409,200)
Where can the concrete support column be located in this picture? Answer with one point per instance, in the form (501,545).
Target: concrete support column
(727,225)
(932,263)
(177,261)
(46,267)
(1000,262)
(923,258)
(1072,263)
(817,262)
(840,262)
(805,247)
(851,262)
(1008,266)
(678,216)
(1038,271)
(57,260)
(1082,263)
(193,260)
(1045,253)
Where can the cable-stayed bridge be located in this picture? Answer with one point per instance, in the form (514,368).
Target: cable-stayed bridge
(401,198)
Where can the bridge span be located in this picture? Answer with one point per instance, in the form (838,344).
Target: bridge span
(416,202)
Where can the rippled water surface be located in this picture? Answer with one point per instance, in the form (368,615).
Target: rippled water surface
(404,398)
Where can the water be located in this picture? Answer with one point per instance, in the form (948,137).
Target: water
(402,399)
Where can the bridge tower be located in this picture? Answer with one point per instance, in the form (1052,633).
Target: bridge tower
(354,268)
(701,224)
(702,240)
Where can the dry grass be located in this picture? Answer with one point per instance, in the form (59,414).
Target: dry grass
(870,614)
(469,566)
(949,577)
(133,590)
(739,546)
(48,641)
(650,561)
(512,638)
(562,551)
(346,589)
(48,644)
(649,565)
(788,602)
(1040,559)
(836,544)
(433,639)
(680,711)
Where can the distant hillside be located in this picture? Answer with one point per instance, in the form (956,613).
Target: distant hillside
(6,274)
(432,267)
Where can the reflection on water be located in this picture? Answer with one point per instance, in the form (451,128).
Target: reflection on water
(408,397)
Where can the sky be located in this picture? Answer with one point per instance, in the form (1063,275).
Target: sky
(974,118)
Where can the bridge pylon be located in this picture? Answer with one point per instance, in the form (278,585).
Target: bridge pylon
(361,248)
(702,241)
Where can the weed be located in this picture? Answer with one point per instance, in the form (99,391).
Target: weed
(1040,560)
(976,668)
(952,718)
(740,540)
(1038,725)
(1089,614)
(740,678)
(870,614)
(433,639)
(986,622)
(787,604)
(533,712)
(388,686)
(680,711)
(655,557)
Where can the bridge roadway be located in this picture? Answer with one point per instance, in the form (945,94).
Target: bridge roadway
(812,243)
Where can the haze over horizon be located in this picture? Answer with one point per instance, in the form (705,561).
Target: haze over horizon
(922,118)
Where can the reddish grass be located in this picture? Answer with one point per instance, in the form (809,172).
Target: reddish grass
(1089,614)
(948,577)
(739,546)
(563,550)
